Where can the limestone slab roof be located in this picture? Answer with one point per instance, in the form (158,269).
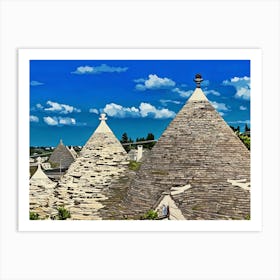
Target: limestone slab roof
(200,149)
(102,161)
(62,156)
(41,193)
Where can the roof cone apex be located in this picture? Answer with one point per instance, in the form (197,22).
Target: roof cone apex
(103,127)
(39,174)
(198,95)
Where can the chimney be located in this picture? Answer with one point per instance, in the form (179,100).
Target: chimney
(139,152)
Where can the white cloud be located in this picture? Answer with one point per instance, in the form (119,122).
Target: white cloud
(242,86)
(59,121)
(239,122)
(94,111)
(61,108)
(212,91)
(242,108)
(118,111)
(243,93)
(147,109)
(33,119)
(219,106)
(165,101)
(67,121)
(51,121)
(144,110)
(154,82)
(183,93)
(35,83)
(103,68)
(205,83)
(39,106)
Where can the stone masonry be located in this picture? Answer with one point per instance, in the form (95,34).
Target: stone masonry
(200,149)
(62,156)
(83,188)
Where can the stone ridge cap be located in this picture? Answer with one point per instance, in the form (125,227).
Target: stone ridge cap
(103,128)
(198,95)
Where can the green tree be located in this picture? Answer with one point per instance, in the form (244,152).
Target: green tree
(124,138)
(149,137)
(247,128)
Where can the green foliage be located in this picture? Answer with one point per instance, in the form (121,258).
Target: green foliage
(247,217)
(125,139)
(247,128)
(244,137)
(134,165)
(246,140)
(150,215)
(33,216)
(63,213)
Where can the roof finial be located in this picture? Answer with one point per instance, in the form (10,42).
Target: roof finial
(39,160)
(198,80)
(60,142)
(103,117)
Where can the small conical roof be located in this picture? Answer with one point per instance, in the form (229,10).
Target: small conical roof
(61,156)
(41,195)
(39,174)
(200,149)
(102,161)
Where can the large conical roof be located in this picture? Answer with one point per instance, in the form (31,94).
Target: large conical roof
(200,149)
(61,156)
(102,161)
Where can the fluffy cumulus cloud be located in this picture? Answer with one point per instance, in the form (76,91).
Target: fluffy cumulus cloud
(220,107)
(211,91)
(33,119)
(94,111)
(242,86)
(148,110)
(144,110)
(60,108)
(36,83)
(183,93)
(53,121)
(103,68)
(154,82)
(118,111)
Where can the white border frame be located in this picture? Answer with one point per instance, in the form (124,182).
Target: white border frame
(254,55)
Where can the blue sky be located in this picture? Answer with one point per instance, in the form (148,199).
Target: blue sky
(138,96)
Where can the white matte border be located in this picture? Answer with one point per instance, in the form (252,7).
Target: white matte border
(254,55)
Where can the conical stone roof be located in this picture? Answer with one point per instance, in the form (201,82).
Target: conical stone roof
(103,160)
(62,156)
(41,190)
(198,149)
